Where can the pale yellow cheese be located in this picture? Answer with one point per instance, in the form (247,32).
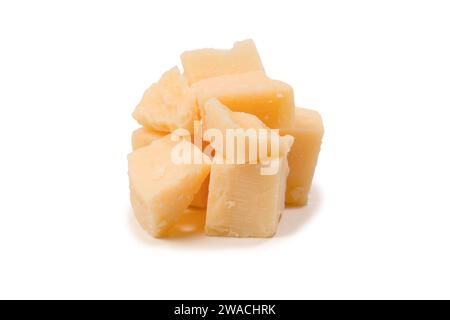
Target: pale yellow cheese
(217,116)
(307,131)
(270,100)
(207,63)
(244,203)
(143,137)
(168,104)
(227,89)
(160,189)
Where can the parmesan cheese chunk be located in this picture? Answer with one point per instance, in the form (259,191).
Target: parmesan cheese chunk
(168,104)
(207,63)
(307,131)
(244,203)
(270,100)
(161,190)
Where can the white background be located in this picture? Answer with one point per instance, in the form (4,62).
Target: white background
(378,226)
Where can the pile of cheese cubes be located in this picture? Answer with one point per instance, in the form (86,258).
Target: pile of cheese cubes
(224,89)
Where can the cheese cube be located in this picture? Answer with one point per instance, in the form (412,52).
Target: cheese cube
(168,104)
(207,63)
(160,188)
(270,100)
(244,203)
(143,137)
(307,131)
(218,116)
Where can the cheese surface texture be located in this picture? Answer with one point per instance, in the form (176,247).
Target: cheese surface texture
(168,104)
(143,137)
(217,116)
(244,203)
(272,101)
(160,189)
(207,63)
(308,132)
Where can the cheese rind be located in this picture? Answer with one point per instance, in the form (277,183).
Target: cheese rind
(308,132)
(270,100)
(168,104)
(143,137)
(244,203)
(160,189)
(207,63)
